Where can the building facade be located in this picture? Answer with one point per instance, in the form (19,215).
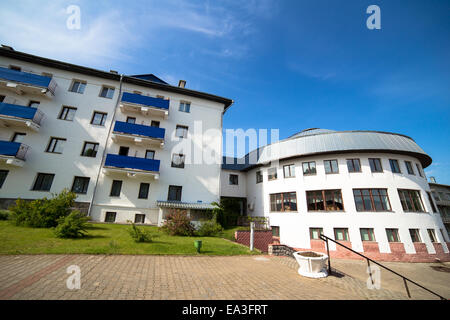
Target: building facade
(441,195)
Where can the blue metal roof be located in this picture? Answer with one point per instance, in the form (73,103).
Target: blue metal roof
(14,110)
(139,129)
(8,148)
(118,161)
(149,77)
(145,100)
(25,77)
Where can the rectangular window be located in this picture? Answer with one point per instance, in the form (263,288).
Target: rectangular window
(375,165)
(155,123)
(16,68)
(415,235)
(409,167)
(259,177)
(280,202)
(395,167)
(107,92)
(139,218)
(367,234)
(56,145)
(432,235)
(2,98)
(272,174)
(419,170)
(123,151)
(18,137)
(328,200)
(98,118)
(33,104)
(314,233)
(43,182)
(411,200)
(289,171)
(341,234)
(67,113)
(371,200)
(353,165)
(174,193)
(80,185)
(185,107)
(309,168)
(234,179)
(178,160)
(77,86)
(110,217)
(3,175)
(275,231)
(331,166)
(433,207)
(181,131)
(143,190)
(89,149)
(392,235)
(149,154)
(131,120)
(116,187)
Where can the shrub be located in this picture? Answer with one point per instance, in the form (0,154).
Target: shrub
(227,212)
(4,214)
(139,235)
(72,226)
(209,228)
(178,224)
(43,213)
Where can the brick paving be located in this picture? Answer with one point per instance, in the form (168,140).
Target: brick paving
(173,277)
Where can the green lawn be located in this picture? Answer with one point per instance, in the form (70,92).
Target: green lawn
(111,239)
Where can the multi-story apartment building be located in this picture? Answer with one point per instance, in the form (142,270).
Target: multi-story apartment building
(125,144)
(441,195)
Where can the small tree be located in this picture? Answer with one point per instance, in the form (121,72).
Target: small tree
(72,226)
(178,224)
(138,234)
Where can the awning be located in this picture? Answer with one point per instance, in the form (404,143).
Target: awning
(184,205)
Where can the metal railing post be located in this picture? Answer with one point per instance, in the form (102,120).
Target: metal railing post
(329,258)
(252,234)
(406,287)
(370,271)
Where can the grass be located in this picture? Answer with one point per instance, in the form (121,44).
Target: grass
(112,239)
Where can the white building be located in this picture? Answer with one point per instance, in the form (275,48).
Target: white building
(124,144)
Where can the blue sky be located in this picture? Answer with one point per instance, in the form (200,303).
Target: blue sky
(287,64)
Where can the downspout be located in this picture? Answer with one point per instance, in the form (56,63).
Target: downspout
(106,144)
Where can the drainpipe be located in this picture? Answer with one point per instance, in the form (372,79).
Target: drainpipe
(106,144)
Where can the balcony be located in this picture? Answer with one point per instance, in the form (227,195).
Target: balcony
(138,134)
(12,115)
(24,82)
(13,153)
(132,102)
(132,166)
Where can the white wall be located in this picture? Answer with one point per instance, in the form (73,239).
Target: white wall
(229,190)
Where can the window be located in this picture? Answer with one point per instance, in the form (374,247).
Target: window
(107,92)
(56,145)
(155,124)
(331,166)
(419,170)
(411,200)
(131,120)
(115,188)
(160,96)
(43,182)
(33,104)
(432,235)
(409,167)
(143,190)
(415,235)
(280,202)
(89,149)
(353,165)
(80,185)
(16,68)
(149,154)
(272,174)
(178,160)
(18,137)
(185,107)
(375,165)
(395,168)
(123,151)
(329,200)
(174,193)
(275,231)
(78,86)
(110,217)
(433,207)
(2,98)
(98,118)
(289,171)
(392,235)
(181,131)
(137,92)
(3,175)
(341,234)
(67,113)
(139,218)
(234,179)
(367,234)
(314,233)
(259,177)
(371,200)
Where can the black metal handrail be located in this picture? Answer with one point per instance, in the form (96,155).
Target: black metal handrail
(405,279)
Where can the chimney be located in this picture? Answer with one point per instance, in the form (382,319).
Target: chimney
(7,47)
(182,83)
(114,71)
(432,179)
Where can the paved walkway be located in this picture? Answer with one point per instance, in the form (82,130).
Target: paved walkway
(173,277)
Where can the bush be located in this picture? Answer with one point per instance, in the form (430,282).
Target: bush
(209,228)
(4,214)
(227,212)
(139,235)
(72,226)
(178,224)
(43,213)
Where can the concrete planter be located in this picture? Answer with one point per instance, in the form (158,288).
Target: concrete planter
(311,264)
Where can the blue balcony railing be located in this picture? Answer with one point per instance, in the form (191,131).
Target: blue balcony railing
(145,100)
(21,112)
(139,130)
(125,162)
(27,78)
(13,149)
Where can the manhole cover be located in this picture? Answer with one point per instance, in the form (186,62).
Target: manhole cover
(440,268)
